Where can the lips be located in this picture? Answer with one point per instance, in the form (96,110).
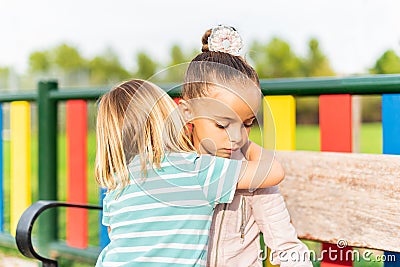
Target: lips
(230,150)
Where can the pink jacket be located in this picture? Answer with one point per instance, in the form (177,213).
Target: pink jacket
(234,236)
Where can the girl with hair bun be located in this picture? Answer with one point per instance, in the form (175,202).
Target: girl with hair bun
(161,194)
(219,79)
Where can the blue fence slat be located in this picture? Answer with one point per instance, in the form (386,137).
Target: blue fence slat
(1,173)
(391,145)
(391,124)
(104,239)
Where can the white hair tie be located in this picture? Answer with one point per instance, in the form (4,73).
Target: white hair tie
(225,39)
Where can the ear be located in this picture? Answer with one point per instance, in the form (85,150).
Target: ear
(186,110)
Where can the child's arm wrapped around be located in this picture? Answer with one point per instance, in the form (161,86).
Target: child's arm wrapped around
(273,219)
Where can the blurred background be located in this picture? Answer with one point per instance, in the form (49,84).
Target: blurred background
(91,43)
(99,43)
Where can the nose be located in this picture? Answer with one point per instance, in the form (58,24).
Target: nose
(236,136)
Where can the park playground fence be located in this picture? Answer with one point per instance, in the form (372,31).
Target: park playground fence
(361,229)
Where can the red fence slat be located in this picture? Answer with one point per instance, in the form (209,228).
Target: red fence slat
(76,129)
(335,120)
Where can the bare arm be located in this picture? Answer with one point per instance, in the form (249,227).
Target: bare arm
(261,170)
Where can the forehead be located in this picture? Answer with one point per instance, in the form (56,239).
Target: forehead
(240,102)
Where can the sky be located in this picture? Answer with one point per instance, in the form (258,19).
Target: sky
(352,33)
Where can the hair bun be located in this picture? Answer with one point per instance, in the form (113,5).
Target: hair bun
(204,41)
(222,38)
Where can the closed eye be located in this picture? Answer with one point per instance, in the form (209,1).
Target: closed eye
(248,125)
(221,126)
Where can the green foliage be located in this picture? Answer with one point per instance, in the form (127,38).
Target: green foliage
(4,73)
(146,67)
(275,60)
(282,62)
(316,63)
(177,65)
(106,69)
(39,61)
(388,63)
(177,56)
(68,58)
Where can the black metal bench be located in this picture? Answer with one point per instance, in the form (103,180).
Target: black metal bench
(23,235)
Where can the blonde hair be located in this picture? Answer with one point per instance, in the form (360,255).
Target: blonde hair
(136,118)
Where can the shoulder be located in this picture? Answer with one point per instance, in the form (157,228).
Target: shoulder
(179,158)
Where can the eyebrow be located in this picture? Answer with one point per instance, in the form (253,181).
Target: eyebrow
(231,119)
(223,117)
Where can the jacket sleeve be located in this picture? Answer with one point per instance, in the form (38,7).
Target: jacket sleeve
(273,219)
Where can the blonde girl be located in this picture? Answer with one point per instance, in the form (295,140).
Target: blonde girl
(219,74)
(160,193)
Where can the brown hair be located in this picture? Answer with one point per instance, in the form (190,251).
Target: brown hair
(135,118)
(215,68)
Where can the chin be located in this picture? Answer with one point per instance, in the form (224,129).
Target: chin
(224,155)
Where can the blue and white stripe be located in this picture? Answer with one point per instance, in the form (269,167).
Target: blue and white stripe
(164,218)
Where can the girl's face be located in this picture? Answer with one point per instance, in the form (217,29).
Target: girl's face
(222,120)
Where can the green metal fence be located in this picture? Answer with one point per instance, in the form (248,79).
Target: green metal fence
(48,96)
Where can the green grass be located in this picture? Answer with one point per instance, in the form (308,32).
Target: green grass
(371,138)
(307,137)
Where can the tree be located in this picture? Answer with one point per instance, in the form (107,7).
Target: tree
(177,55)
(4,74)
(176,67)
(316,63)
(39,62)
(106,68)
(68,58)
(388,63)
(275,60)
(146,67)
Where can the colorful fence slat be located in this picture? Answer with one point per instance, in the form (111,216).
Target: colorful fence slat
(1,172)
(335,122)
(391,145)
(279,127)
(76,129)
(103,233)
(20,186)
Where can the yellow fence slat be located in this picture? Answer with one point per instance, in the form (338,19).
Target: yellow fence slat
(20,195)
(280,122)
(279,128)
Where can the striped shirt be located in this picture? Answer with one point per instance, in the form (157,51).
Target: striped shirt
(164,219)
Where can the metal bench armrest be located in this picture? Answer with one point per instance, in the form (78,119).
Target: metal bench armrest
(23,236)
